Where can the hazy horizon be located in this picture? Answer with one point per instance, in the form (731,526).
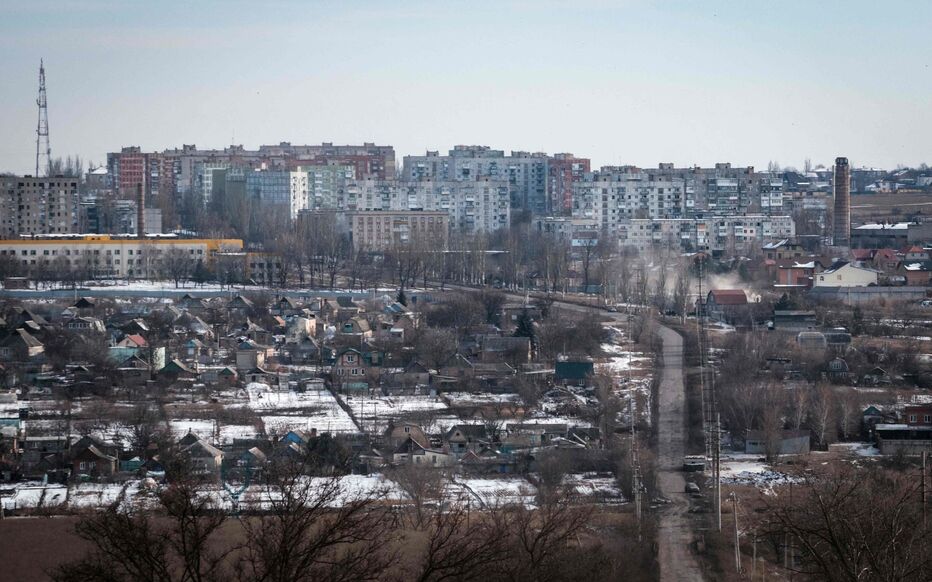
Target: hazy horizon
(618,82)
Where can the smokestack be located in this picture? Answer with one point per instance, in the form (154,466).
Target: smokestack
(140,212)
(842,185)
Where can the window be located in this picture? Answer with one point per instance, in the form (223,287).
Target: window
(927,418)
(912,418)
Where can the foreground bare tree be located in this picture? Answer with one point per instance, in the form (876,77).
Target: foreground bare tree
(316,529)
(138,544)
(854,525)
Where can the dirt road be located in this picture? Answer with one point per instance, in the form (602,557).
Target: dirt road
(677,561)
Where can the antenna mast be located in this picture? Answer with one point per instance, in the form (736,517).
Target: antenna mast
(43,149)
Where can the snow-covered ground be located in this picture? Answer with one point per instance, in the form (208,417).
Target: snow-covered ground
(494,492)
(741,469)
(602,489)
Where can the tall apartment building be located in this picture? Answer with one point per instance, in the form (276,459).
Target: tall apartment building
(180,171)
(327,185)
(614,195)
(279,190)
(379,230)
(474,206)
(720,190)
(526,173)
(731,234)
(31,206)
(563,171)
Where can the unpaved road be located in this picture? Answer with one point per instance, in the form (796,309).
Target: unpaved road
(677,560)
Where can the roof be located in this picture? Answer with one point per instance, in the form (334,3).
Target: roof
(729,296)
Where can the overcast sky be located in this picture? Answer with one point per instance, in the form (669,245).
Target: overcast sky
(620,82)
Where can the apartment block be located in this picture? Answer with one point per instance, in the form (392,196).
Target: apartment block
(563,171)
(614,195)
(526,173)
(113,256)
(379,230)
(31,206)
(731,234)
(279,190)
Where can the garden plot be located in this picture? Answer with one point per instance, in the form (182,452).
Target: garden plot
(493,492)
(282,411)
(374,413)
(206,429)
(750,470)
(596,487)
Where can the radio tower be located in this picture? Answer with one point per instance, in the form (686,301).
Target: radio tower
(43,149)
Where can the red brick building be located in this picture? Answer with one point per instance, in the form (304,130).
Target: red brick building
(563,170)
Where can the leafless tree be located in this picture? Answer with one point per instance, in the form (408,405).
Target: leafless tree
(316,529)
(423,485)
(852,525)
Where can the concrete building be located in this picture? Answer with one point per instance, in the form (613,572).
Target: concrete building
(382,230)
(107,256)
(567,229)
(179,171)
(279,190)
(563,171)
(327,185)
(729,234)
(842,214)
(614,195)
(526,173)
(31,206)
(472,206)
(721,190)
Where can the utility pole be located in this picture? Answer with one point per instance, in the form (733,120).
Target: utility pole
(636,466)
(43,149)
(734,501)
(922,484)
(717,469)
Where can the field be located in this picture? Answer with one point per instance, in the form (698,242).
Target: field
(889,207)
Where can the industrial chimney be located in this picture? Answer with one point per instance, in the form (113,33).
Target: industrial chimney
(842,184)
(140,212)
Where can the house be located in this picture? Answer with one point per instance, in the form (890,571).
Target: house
(512,311)
(466,437)
(911,437)
(917,273)
(241,305)
(19,345)
(255,332)
(787,442)
(885,260)
(84,306)
(356,327)
(794,320)
(250,354)
(135,326)
(798,274)
(252,458)
(540,434)
(727,305)
(85,324)
(396,434)
(576,373)
(177,369)
(412,452)
(782,249)
(227,377)
(847,275)
(93,462)
(414,374)
(354,370)
(205,459)
(286,307)
(838,370)
(875,377)
(132,341)
(499,348)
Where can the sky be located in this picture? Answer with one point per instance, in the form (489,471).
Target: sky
(622,82)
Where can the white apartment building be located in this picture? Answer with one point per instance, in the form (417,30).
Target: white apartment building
(109,256)
(716,233)
(616,195)
(327,185)
(473,206)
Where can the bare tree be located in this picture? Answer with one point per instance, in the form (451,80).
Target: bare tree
(852,525)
